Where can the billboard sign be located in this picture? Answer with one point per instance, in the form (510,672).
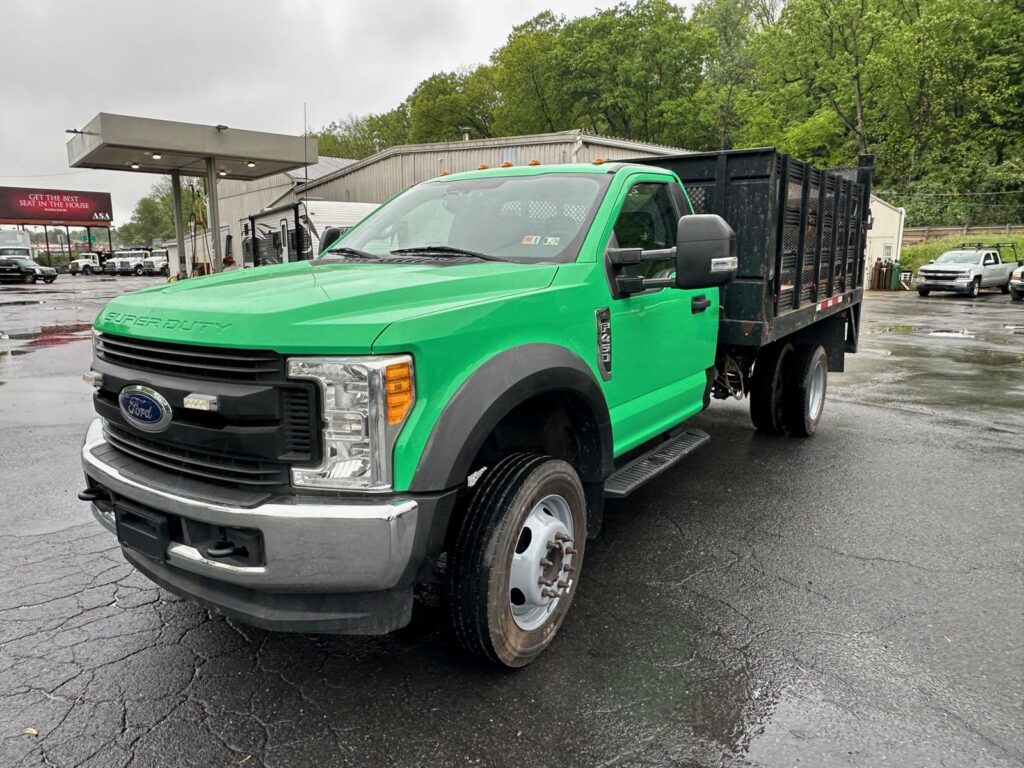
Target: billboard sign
(19,205)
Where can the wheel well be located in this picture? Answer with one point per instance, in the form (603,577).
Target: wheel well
(559,424)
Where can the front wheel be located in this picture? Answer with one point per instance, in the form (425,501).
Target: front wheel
(165,272)
(138,270)
(28,279)
(975,288)
(1016,295)
(515,563)
(1005,287)
(805,400)
(923,291)
(49,279)
(86,270)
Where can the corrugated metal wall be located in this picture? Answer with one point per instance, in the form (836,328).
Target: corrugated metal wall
(381,180)
(239,199)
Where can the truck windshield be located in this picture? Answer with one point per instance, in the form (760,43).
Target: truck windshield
(958,257)
(16,252)
(511,218)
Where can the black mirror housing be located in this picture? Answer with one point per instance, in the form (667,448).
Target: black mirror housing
(328,238)
(705,251)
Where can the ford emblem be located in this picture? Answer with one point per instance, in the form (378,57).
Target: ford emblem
(145,408)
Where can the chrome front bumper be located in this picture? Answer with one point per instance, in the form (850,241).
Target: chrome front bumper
(311,544)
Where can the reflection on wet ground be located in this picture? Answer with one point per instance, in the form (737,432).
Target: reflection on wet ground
(905,338)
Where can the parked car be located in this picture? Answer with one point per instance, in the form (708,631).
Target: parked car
(86,264)
(18,269)
(968,269)
(155,264)
(1017,284)
(467,375)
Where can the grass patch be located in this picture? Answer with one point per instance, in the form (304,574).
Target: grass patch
(913,256)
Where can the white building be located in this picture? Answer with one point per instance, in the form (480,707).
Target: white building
(886,233)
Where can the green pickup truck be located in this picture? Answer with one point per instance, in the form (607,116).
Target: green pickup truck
(452,389)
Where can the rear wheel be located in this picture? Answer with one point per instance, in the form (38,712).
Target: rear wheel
(805,400)
(516,559)
(165,272)
(768,388)
(1005,287)
(923,291)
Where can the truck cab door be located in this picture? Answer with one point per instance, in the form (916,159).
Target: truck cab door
(662,340)
(989,270)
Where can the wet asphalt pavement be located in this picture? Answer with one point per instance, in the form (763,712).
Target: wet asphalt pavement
(852,600)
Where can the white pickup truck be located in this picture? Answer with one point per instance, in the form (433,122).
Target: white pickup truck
(968,269)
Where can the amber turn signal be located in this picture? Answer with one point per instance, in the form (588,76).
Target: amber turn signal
(398,389)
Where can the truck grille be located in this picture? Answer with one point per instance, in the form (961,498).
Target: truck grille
(190,361)
(233,470)
(939,275)
(266,423)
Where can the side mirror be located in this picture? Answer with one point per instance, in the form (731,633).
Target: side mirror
(705,251)
(328,238)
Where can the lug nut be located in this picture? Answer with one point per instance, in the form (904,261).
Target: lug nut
(562,537)
(545,582)
(548,593)
(568,569)
(571,551)
(563,584)
(545,562)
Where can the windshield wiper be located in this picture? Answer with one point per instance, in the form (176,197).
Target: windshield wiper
(344,250)
(447,250)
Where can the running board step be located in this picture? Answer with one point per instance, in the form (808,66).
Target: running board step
(640,470)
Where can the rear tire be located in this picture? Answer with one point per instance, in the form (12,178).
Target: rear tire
(805,400)
(923,291)
(1005,287)
(495,548)
(768,388)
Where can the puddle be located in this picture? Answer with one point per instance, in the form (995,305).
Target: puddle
(48,336)
(953,333)
(24,303)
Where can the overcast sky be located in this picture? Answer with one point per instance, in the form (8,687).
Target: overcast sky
(243,63)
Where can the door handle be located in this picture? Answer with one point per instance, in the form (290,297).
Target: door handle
(699,303)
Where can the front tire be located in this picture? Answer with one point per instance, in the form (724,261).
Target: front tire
(1005,287)
(28,279)
(515,563)
(138,271)
(923,292)
(86,270)
(49,279)
(1016,295)
(805,401)
(975,288)
(768,388)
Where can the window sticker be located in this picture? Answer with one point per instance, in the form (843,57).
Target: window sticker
(531,239)
(551,241)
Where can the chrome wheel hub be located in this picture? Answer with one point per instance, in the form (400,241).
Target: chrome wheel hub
(542,570)
(816,396)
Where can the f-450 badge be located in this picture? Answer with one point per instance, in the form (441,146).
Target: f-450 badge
(604,342)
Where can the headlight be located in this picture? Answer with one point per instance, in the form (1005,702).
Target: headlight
(366,401)
(38,270)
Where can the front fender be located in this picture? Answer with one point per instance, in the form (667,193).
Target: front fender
(490,393)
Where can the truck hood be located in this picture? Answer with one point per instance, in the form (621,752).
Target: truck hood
(332,308)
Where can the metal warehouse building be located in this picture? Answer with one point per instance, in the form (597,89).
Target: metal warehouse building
(380,177)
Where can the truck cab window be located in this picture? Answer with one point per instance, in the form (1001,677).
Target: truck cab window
(648,220)
(989,259)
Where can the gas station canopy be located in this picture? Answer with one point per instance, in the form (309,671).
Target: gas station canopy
(145,145)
